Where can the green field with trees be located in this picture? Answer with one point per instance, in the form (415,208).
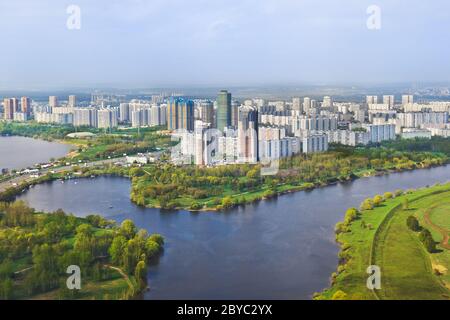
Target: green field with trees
(390,231)
(37,248)
(195,188)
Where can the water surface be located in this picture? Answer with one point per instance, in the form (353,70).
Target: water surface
(277,249)
(21,152)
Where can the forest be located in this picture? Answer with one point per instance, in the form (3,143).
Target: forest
(203,188)
(37,248)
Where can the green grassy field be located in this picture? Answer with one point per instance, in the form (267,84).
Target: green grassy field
(381,237)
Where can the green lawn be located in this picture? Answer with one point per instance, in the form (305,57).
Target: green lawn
(407,271)
(381,237)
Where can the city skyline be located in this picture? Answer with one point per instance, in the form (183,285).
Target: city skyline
(222,43)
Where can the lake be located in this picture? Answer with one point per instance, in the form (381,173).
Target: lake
(21,152)
(277,249)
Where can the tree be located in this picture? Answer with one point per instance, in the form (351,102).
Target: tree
(367,204)
(430,245)
(413,223)
(351,215)
(377,200)
(117,249)
(140,274)
(6,289)
(227,202)
(339,295)
(388,195)
(427,239)
(128,229)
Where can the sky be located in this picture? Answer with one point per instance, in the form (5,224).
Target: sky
(168,43)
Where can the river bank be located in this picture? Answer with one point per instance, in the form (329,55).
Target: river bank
(223,255)
(380,237)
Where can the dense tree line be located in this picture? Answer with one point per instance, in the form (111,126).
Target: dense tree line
(37,248)
(170,186)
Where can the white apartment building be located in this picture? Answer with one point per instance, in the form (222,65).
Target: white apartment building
(314,123)
(85,117)
(315,143)
(270,150)
(349,137)
(417,119)
(379,133)
(108,118)
(59,118)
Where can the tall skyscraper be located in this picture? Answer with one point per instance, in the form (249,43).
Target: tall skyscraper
(8,109)
(53,101)
(72,101)
(180,114)
(223,110)
(25,104)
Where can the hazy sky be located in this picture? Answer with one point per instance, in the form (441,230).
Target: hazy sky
(154,43)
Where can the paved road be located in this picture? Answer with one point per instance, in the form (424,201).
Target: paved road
(26,177)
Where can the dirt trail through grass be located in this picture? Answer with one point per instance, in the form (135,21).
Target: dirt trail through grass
(445,233)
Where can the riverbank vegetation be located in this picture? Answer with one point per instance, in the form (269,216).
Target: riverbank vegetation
(407,236)
(37,248)
(202,188)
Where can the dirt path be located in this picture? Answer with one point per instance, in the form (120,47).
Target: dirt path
(123,274)
(445,233)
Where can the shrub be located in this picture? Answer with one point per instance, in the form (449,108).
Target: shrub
(413,223)
(388,195)
(367,205)
(339,295)
(377,200)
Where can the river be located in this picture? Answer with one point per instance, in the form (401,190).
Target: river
(21,152)
(277,249)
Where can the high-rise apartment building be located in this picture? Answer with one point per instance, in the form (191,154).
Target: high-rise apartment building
(223,110)
(108,118)
(72,101)
(407,99)
(53,101)
(248,134)
(85,117)
(327,102)
(25,104)
(8,109)
(297,105)
(389,100)
(371,100)
(180,114)
(206,112)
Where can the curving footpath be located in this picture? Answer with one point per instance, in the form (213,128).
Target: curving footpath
(445,233)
